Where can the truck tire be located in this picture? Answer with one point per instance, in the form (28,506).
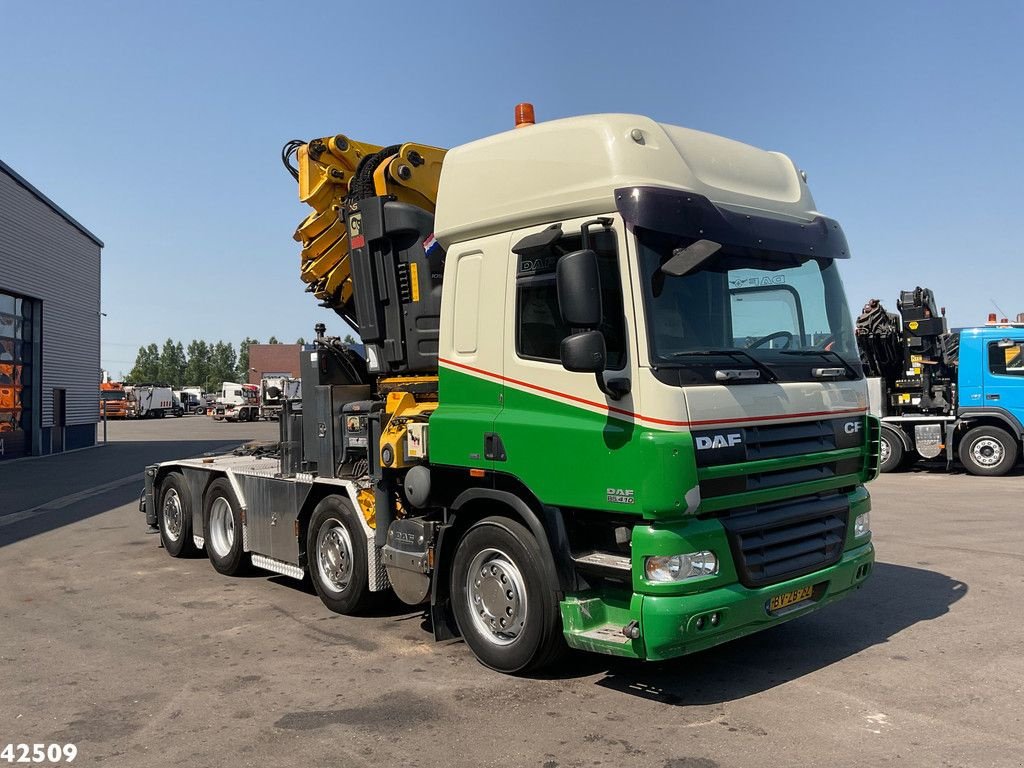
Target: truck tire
(892,451)
(174,517)
(504,603)
(988,451)
(222,526)
(336,553)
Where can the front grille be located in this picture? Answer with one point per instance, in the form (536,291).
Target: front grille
(759,481)
(776,441)
(782,540)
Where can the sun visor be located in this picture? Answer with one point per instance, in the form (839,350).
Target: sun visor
(687,214)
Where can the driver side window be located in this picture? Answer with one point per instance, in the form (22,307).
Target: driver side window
(539,326)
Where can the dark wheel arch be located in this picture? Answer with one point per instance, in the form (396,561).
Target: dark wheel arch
(545,523)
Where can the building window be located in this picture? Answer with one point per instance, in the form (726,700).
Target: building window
(539,326)
(16,374)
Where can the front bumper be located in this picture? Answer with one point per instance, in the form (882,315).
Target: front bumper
(669,623)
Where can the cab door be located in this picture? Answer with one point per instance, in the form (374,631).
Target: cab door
(558,433)
(1004,375)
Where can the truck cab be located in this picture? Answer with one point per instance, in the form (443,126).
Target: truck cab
(990,387)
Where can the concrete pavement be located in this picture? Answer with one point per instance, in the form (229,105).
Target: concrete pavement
(141,659)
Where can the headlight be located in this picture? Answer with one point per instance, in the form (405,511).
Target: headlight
(680,567)
(862,525)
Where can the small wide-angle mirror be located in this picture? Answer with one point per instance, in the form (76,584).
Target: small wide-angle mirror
(686,260)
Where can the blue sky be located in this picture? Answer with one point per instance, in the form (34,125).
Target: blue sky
(159,127)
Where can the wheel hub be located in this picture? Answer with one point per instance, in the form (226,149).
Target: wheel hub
(987,452)
(497,596)
(334,554)
(886,450)
(172,515)
(222,527)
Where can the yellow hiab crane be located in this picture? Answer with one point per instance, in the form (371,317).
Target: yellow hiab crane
(334,173)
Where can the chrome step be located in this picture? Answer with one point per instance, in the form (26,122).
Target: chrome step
(605,560)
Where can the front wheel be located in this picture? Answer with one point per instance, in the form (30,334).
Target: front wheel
(988,451)
(336,553)
(504,602)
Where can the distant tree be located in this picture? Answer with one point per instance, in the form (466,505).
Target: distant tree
(349,339)
(223,365)
(197,368)
(273,340)
(243,358)
(147,366)
(300,341)
(171,369)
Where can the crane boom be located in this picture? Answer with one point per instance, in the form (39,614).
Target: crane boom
(336,172)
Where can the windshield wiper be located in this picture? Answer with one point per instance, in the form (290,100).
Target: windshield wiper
(850,372)
(767,372)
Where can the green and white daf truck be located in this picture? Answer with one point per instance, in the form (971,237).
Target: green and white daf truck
(608,396)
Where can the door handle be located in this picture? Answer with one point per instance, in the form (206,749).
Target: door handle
(991,397)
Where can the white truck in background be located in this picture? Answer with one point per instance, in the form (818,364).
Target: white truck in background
(275,389)
(149,401)
(237,402)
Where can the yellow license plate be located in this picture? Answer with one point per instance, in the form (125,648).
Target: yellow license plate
(789,598)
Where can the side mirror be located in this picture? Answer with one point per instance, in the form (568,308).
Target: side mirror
(584,352)
(579,289)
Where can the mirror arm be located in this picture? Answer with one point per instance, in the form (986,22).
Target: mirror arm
(603,221)
(616,389)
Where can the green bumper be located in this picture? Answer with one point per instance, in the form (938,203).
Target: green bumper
(668,624)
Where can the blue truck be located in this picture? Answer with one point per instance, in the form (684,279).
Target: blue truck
(940,393)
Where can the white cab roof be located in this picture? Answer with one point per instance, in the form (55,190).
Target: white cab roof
(566,168)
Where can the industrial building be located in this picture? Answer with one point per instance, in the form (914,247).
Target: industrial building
(49,324)
(273,360)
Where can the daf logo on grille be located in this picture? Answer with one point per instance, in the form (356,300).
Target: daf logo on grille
(851,427)
(719,441)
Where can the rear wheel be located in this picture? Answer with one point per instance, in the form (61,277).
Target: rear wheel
(503,599)
(988,451)
(175,517)
(336,553)
(892,451)
(222,524)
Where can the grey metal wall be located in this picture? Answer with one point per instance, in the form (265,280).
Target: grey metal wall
(44,256)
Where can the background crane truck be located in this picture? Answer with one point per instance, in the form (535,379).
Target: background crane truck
(940,393)
(590,412)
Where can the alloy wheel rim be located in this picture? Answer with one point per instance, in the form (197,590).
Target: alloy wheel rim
(334,555)
(222,527)
(172,515)
(496,592)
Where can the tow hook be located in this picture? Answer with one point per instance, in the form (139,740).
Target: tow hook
(632,630)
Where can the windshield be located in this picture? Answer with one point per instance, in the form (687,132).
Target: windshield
(780,308)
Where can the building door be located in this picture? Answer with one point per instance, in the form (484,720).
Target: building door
(59,416)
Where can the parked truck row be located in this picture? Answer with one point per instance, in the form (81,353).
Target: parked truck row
(610,397)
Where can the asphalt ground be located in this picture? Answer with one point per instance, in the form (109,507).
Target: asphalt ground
(140,659)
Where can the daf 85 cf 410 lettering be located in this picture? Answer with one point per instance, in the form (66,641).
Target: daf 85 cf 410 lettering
(609,396)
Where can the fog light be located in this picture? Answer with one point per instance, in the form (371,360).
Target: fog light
(715,619)
(862,525)
(680,567)
(699,624)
